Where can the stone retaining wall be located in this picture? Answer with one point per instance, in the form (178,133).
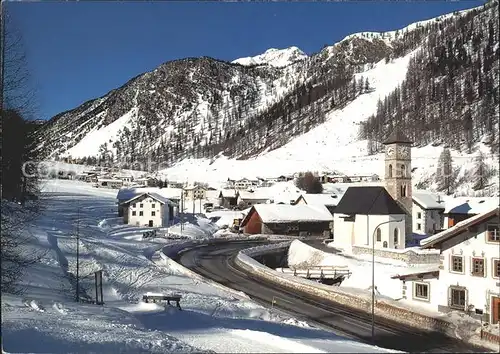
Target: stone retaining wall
(490,337)
(408,256)
(358,301)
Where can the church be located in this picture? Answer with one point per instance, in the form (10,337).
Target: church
(380,215)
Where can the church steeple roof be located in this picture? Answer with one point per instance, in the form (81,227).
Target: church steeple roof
(397,136)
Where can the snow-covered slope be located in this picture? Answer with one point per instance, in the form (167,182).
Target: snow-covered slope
(274,57)
(46,318)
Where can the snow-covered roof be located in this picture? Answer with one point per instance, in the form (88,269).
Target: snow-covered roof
(257,194)
(470,205)
(128,193)
(430,270)
(155,196)
(458,228)
(110,180)
(428,200)
(188,188)
(279,213)
(229,193)
(321,199)
(212,194)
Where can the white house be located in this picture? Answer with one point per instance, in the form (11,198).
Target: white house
(127,179)
(468,276)
(358,217)
(330,201)
(148,209)
(143,181)
(245,183)
(109,183)
(427,212)
(125,194)
(252,197)
(195,192)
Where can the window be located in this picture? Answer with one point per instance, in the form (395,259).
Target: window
(457,298)
(419,215)
(493,234)
(384,244)
(477,267)
(403,171)
(421,291)
(153,213)
(419,226)
(496,268)
(457,264)
(153,205)
(141,213)
(133,205)
(141,205)
(390,171)
(403,190)
(396,236)
(133,213)
(379,235)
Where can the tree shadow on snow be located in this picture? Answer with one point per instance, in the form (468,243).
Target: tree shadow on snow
(173,321)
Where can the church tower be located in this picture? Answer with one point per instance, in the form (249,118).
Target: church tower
(398,173)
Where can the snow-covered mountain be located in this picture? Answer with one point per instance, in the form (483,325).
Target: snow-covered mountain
(274,57)
(202,115)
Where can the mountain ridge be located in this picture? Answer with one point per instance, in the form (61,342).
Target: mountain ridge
(242,111)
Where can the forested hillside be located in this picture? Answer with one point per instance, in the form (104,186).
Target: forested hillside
(203,107)
(450,95)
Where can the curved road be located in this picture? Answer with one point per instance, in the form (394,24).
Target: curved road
(216,262)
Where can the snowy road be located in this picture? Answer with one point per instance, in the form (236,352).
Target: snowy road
(216,263)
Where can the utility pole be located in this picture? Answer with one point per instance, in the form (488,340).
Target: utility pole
(78,255)
(181,214)
(2,52)
(193,205)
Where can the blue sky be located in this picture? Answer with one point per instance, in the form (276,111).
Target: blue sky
(77,51)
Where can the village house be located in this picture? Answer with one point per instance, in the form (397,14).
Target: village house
(143,181)
(127,179)
(195,192)
(251,197)
(173,184)
(338,179)
(363,178)
(462,208)
(427,212)
(148,209)
(329,201)
(245,183)
(125,194)
(109,183)
(228,198)
(282,219)
(468,275)
(358,216)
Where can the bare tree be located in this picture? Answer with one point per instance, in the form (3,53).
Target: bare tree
(19,182)
(18,92)
(17,244)
(309,183)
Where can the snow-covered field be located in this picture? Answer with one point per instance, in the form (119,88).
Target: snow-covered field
(47,319)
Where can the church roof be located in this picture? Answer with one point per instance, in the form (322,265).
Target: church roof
(368,200)
(397,137)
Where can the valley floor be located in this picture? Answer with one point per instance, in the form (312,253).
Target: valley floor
(211,319)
